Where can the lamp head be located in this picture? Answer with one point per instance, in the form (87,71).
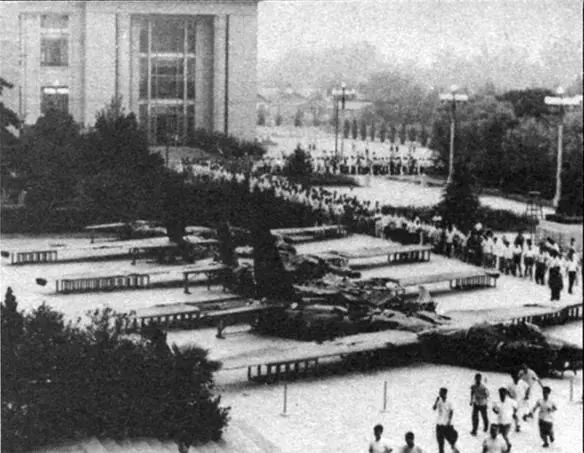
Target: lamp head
(560,91)
(343,85)
(454,88)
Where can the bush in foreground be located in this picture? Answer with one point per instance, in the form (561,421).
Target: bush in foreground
(63,381)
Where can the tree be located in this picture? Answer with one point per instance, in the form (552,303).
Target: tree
(120,175)
(355,129)
(412,134)
(73,382)
(423,136)
(261,117)
(298,118)
(272,280)
(392,134)
(382,132)
(298,163)
(50,160)
(372,132)
(481,126)
(528,158)
(571,202)
(347,128)
(460,203)
(8,120)
(363,130)
(529,102)
(402,133)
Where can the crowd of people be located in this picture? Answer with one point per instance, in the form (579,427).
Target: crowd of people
(391,161)
(543,263)
(513,406)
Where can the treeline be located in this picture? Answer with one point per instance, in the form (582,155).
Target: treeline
(64,381)
(511,139)
(105,174)
(367,128)
(512,144)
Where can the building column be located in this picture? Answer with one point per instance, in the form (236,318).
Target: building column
(123,29)
(134,69)
(204,73)
(77,68)
(31,91)
(100,60)
(219,72)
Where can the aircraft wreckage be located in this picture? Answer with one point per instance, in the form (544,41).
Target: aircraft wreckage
(502,347)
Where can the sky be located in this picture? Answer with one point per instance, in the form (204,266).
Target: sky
(418,29)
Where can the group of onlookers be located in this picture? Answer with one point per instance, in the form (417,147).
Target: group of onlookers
(510,408)
(521,257)
(353,164)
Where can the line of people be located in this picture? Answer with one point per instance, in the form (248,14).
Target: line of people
(510,408)
(521,257)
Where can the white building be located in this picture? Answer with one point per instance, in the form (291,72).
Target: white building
(177,64)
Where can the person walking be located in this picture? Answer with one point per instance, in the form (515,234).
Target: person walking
(541,259)
(444,429)
(410,446)
(508,257)
(572,269)
(529,260)
(517,254)
(546,408)
(379,444)
(506,410)
(450,233)
(530,377)
(516,391)
(555,280)
(493,443)
(479,400)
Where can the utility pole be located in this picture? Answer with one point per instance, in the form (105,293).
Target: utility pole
(562,102)
(452,98)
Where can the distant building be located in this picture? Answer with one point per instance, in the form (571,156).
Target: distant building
(177,64)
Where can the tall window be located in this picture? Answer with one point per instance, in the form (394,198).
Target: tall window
(167,74)
(54,40)
(54,98)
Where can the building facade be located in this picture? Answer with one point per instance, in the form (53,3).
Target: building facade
(179,65)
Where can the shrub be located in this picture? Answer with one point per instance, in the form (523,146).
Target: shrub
(63,381)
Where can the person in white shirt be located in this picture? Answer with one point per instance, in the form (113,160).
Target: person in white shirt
(546,416)
(410,446)
(449,235)
(493,443)
(507,257)
(555,278)
(498,251)
(379,444)
(444,428)
(516,391)
(516,265)
(506,410)
(530,377)
(572,270)
(541,259)
(488,245)
(529,259)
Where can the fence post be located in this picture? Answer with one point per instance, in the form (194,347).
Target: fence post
(571,389)
(384,397)
(285,408)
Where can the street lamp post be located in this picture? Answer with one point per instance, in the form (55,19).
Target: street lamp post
(341,96)
(452,98)
(562,102)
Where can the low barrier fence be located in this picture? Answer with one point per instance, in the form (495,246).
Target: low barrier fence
(42,256)
(82,285)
